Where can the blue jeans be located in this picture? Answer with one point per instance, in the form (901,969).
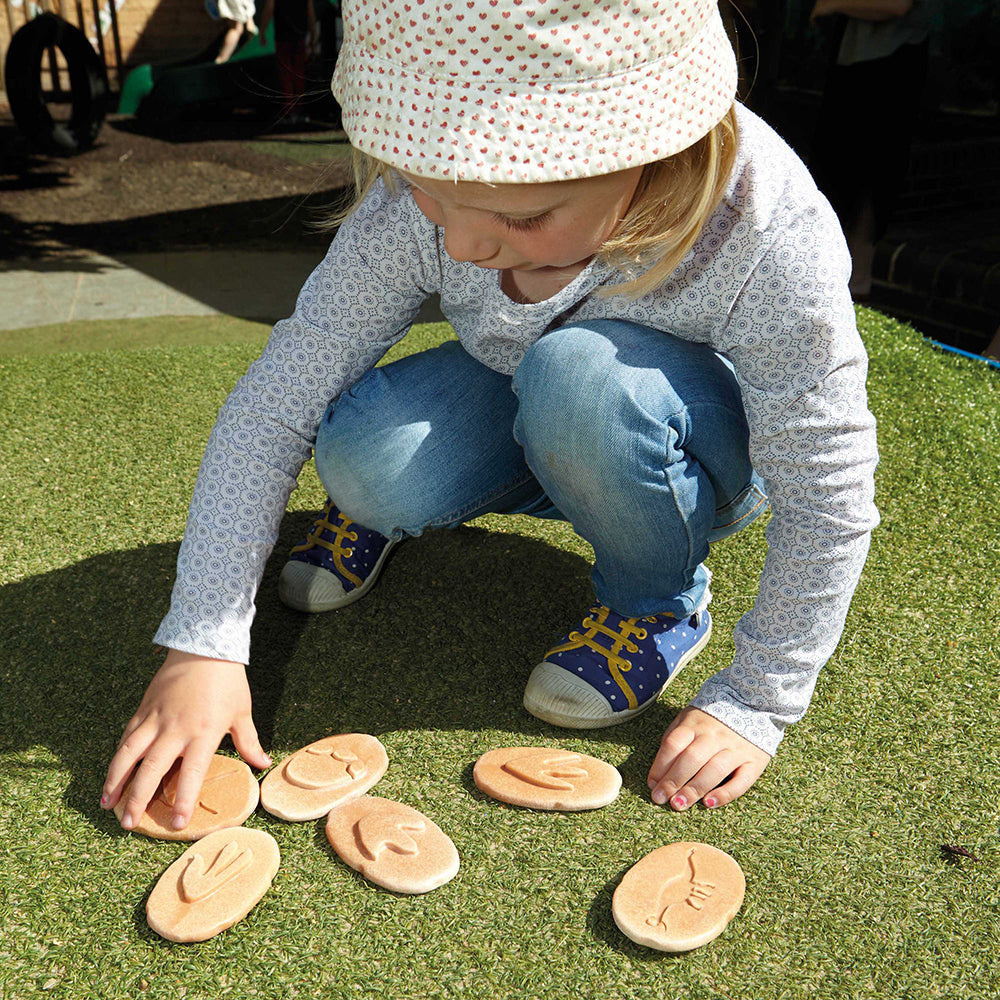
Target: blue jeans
(637,438)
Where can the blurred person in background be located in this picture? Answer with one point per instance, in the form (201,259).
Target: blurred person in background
(868,117)
(295,38)
(239,17)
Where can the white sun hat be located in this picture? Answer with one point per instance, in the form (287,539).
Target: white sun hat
(525,91)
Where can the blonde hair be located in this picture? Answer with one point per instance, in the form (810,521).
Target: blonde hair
(673,200)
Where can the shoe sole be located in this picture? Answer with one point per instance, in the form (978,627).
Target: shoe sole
(546,714)
(305,587)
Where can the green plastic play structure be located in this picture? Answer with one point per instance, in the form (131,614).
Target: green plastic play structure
(162,92)
(168,88)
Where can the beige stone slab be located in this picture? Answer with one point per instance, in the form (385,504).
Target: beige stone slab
(547,778)
(213,884)
(679,896)
(392,845)
(229,794)
(86,286)
(325,774)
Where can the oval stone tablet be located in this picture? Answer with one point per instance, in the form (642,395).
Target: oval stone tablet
(213,884)
(679,897)
(229,794)
(543,778)
(392,845)
(327,773)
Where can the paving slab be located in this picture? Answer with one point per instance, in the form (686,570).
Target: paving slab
(253,285)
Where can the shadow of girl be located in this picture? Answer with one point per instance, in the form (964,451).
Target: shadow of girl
(445,642)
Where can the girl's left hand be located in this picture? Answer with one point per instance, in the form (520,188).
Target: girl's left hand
(700,758)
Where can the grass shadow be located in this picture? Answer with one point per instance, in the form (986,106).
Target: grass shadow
(437,645)
(469,783)
(140,925)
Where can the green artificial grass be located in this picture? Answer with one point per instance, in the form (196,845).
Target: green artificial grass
(848,893)
(305,147)
(157,331)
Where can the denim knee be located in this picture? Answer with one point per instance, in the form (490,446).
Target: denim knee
(361,488)
(570,402)
(423,442)
(607,401)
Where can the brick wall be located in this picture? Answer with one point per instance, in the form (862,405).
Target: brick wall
(956,174)
(152,30)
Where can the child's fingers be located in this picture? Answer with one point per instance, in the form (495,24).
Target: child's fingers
(195,764)
(742,778)
(131,726)
(675,741)
(158,760)
(702,758)
(708,777)
(247,743)
(683,767)
(132,746)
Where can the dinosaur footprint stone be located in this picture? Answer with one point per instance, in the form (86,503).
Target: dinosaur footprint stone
(392,845)
(325,774)
(213,884)
(228,795)
(679,897)
(543,778)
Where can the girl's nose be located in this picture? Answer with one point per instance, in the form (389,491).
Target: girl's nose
(463,242)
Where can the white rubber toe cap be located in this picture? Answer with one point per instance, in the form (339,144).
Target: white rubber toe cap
(555,695)
(310,588)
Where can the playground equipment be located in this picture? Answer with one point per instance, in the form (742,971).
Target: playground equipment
(160,92)
(163,92)
(30,49)
(59,93)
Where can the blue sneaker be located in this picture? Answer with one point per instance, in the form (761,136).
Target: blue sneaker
(612,668)
(337,564)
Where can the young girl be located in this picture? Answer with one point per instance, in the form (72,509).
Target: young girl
(654,331)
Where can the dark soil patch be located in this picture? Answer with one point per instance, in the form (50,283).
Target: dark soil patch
(203,185)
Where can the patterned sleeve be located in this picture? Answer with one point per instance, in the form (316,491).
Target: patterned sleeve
(793,340)
(359,301)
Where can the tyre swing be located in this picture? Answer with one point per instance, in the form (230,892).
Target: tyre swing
(89,91)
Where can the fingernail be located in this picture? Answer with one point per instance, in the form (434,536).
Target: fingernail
(678,802)
(711,803)
(104,802)
(126,822)
(179,822)
(659,796)
(650,783)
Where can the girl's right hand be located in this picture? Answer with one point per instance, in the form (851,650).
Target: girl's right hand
(190,704)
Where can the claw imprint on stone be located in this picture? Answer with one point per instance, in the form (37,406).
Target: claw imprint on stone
(198,883)
(681,889)
(547,771)
(375,834)
(310,769)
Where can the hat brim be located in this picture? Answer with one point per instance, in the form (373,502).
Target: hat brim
(500,132)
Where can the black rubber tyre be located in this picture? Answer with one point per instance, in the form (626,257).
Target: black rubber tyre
(88,85)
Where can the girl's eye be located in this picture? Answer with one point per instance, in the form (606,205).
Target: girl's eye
(523,225)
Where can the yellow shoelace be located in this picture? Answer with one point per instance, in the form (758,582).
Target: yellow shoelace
(617,664)
(337,548)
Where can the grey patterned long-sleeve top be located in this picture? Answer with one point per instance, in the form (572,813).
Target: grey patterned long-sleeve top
(765,285)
